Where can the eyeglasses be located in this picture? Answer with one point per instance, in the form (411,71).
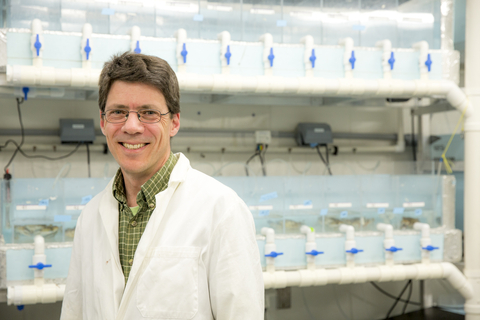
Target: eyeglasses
(121,115)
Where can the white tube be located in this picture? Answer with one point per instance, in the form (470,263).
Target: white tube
(388,242)
(425,240)
(267,40)
(181,35)
(225,39)
(135,35)
(386,45)
(39,257)
(308,41)
(270,247)
(86,46)
(46,293)
(348,43)
(37,40)
(423,47)
(321,277)
(310,245)
(349,243)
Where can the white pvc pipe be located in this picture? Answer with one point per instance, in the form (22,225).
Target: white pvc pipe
(86,39)
(472,158)
(37,33)
(46,293)
(425,240)
(386,45)
(308,41)
(39,257)
(267,40)
(310,245)
(270,247)
(423,47)
(348,43)
(135,35)
(321,277)
(181,35)
(225,39)
(349,243)
(388,242)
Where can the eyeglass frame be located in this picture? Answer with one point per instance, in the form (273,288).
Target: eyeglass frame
(104,114)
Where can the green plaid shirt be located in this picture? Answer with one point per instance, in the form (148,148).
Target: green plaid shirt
(130,227)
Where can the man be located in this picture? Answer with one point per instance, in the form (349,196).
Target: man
(162,241)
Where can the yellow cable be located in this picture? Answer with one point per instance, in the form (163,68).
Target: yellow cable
(447,165)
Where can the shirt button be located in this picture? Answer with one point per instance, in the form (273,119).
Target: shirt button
(151,205)
(134,223)
(130,262)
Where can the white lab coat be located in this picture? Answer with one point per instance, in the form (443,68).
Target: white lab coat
(197,259)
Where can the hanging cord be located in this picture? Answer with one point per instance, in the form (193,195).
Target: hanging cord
(392,296)
(414,149)
(258,153)
(88,160)
(326,163)
(408,298)
(444,158)
(397,299)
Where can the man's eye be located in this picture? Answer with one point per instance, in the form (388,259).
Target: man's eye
(149,112)
(117,112)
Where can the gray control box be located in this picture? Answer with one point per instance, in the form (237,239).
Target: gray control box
(77,130)
(308,134)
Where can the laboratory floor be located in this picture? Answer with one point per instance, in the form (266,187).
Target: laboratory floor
(429,314)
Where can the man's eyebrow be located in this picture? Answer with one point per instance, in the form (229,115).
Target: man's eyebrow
(121,106)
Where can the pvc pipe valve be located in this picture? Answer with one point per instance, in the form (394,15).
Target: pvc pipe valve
(394,249)
(137,47)
(429,62)
(352,59)
(314,253)
(391,61)
(25,92)
(271,57)
(228,55)
(40,266)
(274,254)
(354,250)
(313,58)
(88,49)
(184,53)
(37,45)
(430,248)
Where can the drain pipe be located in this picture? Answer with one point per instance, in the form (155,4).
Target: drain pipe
(268,55)
(310,246)
(387,58)
(225,53)
(36,43)
(86,46)
(423,59)
(472,158)
(388,243)
(309,55)
(348,57)
(181,35)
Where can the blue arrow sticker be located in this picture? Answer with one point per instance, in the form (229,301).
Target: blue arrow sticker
(86,199)
(323,212)
(198,17)
(281,23)
(62,218)
(381,210)
(418,212)
(358,27)
(307,202)
(343,214)
(264,213)
(268,196)
(108,12)
(43,202)
(398,210)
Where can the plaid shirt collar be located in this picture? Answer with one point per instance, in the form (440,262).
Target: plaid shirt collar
(157,183)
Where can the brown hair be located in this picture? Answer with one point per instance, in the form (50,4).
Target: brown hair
(136,67)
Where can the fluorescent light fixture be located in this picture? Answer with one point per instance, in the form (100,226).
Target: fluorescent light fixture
(262,11)
(417,18)
(178,6)
(219,8)
(307,15)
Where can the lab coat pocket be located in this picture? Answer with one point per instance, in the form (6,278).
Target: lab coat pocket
(168,287)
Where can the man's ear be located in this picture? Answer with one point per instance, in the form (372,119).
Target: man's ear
(175,124)
(102,123)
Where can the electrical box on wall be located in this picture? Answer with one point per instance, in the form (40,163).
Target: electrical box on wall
(77,130)
(312,134)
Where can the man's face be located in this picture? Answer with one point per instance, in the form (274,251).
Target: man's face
(140,148)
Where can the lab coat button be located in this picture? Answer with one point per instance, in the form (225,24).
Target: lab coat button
(151,205)
(130,262)
(134,223)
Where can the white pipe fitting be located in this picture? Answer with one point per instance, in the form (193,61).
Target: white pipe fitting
(349,243)
(46,293)
(386,45)
(135,35)
(86,46)
(181,35)
(321,277)
(270,247)
(423,47)
(267,40)
(348,44)
(36,43)
(308,41)
(388,242)
(39,257)
(425,240)
(310,245)
(225,39)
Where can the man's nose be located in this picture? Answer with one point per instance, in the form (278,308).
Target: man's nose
(133,124)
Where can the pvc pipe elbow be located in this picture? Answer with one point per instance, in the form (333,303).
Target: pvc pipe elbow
(387,228)
(267,39)
(425,229)
(386,45)
(37,26)
(224,37)
(349,230)
(269,234)
(307,40)
(309,232)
